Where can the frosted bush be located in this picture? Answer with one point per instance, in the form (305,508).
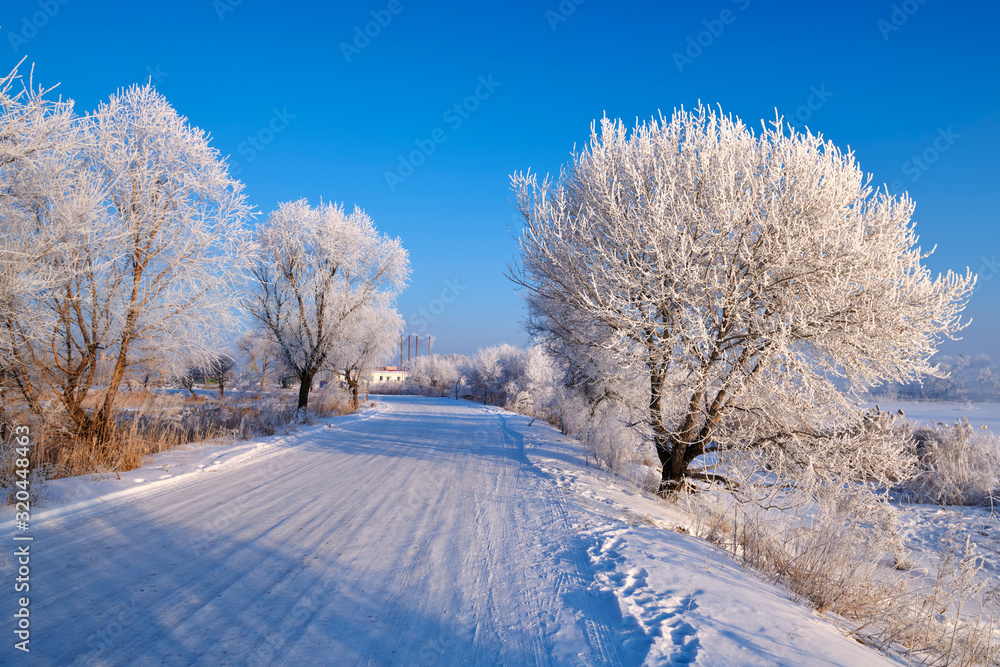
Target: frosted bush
(436,374)
(958,465)
(611,437)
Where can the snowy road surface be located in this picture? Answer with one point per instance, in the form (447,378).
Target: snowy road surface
(428,531)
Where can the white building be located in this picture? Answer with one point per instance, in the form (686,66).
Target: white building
(387,374)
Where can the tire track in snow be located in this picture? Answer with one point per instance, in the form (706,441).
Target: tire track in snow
(400,539)
(170,612)
(506,631)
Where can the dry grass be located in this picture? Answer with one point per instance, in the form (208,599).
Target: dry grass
(139,399)
(842,559)
(148,423)
(959,465)
(329,402)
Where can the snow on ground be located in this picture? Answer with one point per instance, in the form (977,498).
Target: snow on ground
(176,466)
(429,531)
(926,529)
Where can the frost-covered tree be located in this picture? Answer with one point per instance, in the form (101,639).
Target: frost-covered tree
(188,376)
(148,253)
(371,334)
(743,273)
(436,374)
(45,193)
(31,129)
(539,388)
(318,268)
(220,368)
(259,356)
(492,372)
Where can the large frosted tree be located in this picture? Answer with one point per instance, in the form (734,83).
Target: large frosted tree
(747,274)
(318,271)
(43,191)
(144,249)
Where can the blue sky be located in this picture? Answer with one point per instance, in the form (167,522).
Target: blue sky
(308,105)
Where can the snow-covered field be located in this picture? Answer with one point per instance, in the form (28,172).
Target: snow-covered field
(425,531)
(927,529)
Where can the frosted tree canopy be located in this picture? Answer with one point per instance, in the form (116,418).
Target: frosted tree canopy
(745,272)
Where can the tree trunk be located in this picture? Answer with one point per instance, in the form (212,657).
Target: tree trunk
(3,410)
(674,467)
(670,475)
(305,385)
(670,450)
(101,424)
(661,439)
(353,383)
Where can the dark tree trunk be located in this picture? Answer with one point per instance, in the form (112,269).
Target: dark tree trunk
(671,449)
(674,464)
(671,462)
(353,382)
(305,380)
(661,437)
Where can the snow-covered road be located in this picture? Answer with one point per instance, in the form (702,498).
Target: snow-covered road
(429,531)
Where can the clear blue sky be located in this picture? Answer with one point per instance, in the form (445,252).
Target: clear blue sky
(894,81)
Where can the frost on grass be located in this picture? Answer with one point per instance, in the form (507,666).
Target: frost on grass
(959,465)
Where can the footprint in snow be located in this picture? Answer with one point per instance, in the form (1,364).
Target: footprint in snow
(686,644)
(654,619)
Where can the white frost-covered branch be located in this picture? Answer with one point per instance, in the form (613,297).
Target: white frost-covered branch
(744,272)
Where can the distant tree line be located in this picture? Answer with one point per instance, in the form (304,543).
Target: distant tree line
(965,378)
